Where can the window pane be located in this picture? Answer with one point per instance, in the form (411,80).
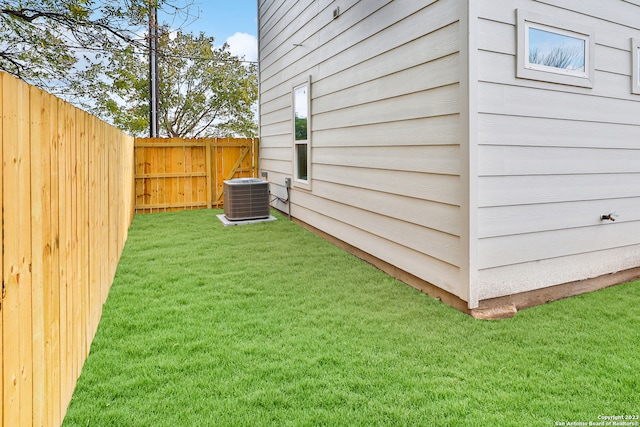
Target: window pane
(301,153)
(556,50)
(301,112)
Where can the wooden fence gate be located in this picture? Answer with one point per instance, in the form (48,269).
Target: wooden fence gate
(183,174)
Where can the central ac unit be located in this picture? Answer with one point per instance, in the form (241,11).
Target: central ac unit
(246,199)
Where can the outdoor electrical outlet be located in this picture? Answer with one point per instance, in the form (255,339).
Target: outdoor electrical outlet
(265,174)
(287,182)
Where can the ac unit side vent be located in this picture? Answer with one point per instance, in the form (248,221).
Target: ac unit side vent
(246,199)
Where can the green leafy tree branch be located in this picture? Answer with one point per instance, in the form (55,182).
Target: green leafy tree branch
(205,91)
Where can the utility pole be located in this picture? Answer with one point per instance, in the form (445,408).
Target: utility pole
(153,70)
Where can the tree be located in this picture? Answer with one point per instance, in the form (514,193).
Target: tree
(56,44)
(558,57)
(204,91)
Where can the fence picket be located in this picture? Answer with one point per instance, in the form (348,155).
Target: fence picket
(17,322)
(40,229)
(53,351)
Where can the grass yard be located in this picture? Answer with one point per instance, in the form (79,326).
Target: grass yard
(269,325)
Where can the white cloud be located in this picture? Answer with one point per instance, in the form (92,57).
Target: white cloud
(243,44)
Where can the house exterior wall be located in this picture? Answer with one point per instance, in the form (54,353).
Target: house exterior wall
(386,130)
(433,151)
(552,158)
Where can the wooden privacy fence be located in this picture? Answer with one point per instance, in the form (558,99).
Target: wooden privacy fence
(177,174)
(67,203)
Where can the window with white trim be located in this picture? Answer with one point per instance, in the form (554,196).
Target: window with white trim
(635,61)
(301,134)
(553,50)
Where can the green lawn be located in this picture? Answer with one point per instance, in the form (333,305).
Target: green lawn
(269,325)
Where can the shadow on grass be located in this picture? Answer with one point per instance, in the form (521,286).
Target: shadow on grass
(268,324)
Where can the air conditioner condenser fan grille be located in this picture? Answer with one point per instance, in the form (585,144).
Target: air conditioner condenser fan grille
(246,199)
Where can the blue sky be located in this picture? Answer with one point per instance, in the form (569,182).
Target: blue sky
(231,21)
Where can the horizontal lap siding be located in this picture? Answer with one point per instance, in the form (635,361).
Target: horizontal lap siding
(385,125)
(552,158)
(389,250)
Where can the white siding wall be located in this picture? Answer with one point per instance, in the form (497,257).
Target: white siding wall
(386,129)
(552,158)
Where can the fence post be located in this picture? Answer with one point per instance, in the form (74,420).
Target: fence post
(209,177)
(255,146)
